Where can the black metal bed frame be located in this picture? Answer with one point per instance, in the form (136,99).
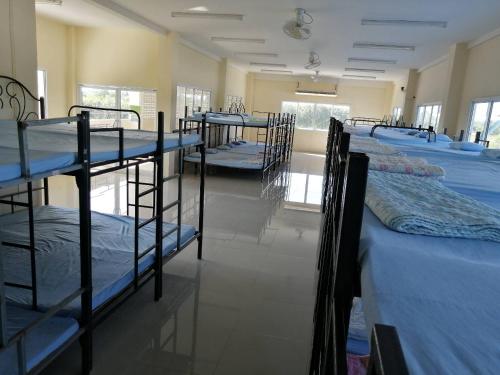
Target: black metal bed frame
(83,171)
(18,97)
(430,130)
(345,179)
(366,121)
(278,142)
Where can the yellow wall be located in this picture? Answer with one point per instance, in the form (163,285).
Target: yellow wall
(365,99)
(431,84)
(482,78)
(236,82)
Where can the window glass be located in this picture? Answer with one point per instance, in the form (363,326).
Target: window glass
(494,127)
(428,115)
(315,116)
(192,98)
(479,120)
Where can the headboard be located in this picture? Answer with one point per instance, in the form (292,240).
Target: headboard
(19,101)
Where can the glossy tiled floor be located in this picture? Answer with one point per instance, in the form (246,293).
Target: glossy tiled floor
(246,308)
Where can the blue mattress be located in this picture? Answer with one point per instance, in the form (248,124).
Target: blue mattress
(441,294)
(248,149)
(40,343)
(104,146)
(229,159)
(233,121)
(58,254)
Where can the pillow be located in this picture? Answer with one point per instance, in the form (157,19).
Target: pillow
(423,135)
(443,138)
(195,155)
(236,143)
(223,147)
(211,151)
(243,142)
(470,146)
(412,132)
(466,146)
(491,153)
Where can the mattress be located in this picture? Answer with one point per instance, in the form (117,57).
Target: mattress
(229,159)
(104,146)
(442,295)
(40,342)
(58,254)
(233,121)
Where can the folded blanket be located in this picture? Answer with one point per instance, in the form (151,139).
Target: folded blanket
(404,165)
(372,148)
(491,153)
(422,205)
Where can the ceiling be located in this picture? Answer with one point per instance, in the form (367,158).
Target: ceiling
(337,25)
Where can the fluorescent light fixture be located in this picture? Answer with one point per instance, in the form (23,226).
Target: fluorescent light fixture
(398,47)
(358,76)
(276,71)
(206,15)
(268,64)
(373,22)
(370,61)
(256,54)
(48,2)
(364,70)
(316,93)
(199,9)
(237,40)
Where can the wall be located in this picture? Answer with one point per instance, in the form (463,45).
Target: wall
(482,78)
(52,46)
(368,99)
(431,85)
(235,82)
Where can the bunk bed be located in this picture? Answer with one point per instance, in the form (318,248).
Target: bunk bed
(126,252)
(446,282)
(29,338)
(229,149)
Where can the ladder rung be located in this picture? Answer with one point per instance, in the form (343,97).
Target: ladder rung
(140,205)
(19,246)
(141,183)
(169,206)
(144,223)
(146,192)
(166,179)
(147,251)
(21,286)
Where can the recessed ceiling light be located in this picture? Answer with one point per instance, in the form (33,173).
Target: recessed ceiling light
(358,76)
(257,54)
(276,71)
(206,15)
(372,22)
(398,47)
(268,64)
(237,40)
(364,70)
(371,61)
(199,9)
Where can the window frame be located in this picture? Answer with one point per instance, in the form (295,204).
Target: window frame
(45,88)
(314,112)
(186,87)
(426,106)
(118,95)
(491,102)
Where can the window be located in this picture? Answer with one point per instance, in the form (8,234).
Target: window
(232,100)
(141,101)
(428,115)
(194,98)
(42,86)
(396,114)
(315,116)
(485,118)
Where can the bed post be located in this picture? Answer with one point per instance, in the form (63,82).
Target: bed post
(180,167)
(83,181)
(202,184)
(159,207)
(386,357)
(266,148)
(3,313)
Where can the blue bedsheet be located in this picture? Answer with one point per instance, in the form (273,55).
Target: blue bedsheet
(40,343)
(230,160)
(441,294)
(54,147)
(58,254)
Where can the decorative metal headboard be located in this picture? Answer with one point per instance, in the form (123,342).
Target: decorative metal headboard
(16,95)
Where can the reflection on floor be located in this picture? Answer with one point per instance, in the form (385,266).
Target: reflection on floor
(246,308)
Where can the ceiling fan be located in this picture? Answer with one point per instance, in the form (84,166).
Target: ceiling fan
(314,61)
(298,28)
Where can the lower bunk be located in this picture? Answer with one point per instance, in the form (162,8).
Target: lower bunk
(114,268)
(44,341)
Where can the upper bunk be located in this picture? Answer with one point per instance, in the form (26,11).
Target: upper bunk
(234,119)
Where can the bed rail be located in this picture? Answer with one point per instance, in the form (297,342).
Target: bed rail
(18,97)
(104,109)
(386,356)
(430,130)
